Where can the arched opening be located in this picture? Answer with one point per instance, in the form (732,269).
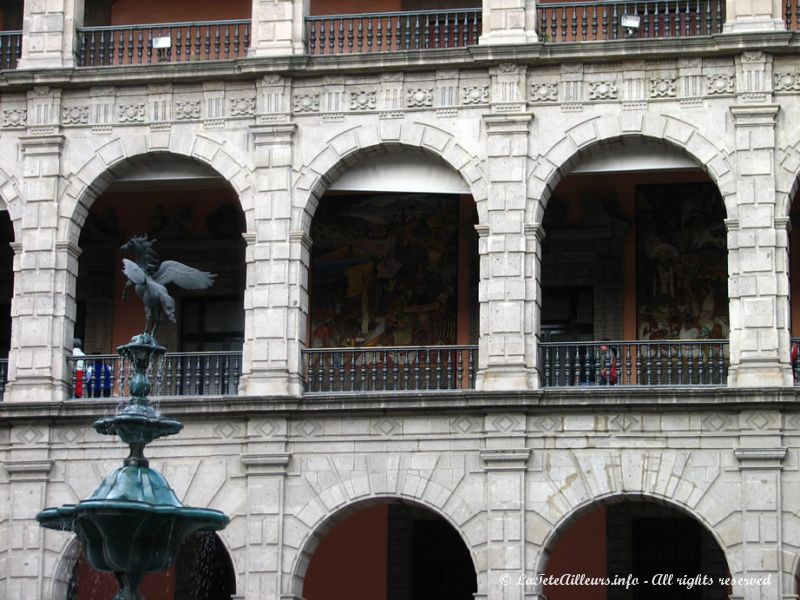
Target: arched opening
(794,282)
(6,293)
(393,282)
(395,551)
(635,550)
(634,278)
(202,571)
(196,218)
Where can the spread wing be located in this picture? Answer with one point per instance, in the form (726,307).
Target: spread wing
(183,276)
(133,271)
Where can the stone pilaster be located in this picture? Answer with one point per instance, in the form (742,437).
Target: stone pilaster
(27,471)
(507,278)
(509,22)
(276,305)
(48,33)
(757,269)
(504,460)
(762,509)
(755,15)
(265,461)
(278,27)
(45,269)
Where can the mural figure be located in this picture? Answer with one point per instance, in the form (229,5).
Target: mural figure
(682,263)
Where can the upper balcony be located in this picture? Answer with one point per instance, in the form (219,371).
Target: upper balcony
(123,33)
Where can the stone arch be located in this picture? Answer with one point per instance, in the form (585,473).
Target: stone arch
(11,200)
(65,564)
(587,505)
(71,551)
(557,161)
(347,147)
(323,521)
(787,176)
(87,179)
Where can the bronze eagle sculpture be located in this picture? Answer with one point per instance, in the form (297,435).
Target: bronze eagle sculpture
(149,279)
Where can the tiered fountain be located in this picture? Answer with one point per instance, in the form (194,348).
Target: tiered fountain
(133,523)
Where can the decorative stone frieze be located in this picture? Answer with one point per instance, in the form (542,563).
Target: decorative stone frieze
(75,115)
(543,92)
(662,88)
(419,97)
(242,107)
(719,85)
(130,113)
(306,103)
(603,90)
(187,111)
(14,118)
(476,94)
(786,82)
(363,100)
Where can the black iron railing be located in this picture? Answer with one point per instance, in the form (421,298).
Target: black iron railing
(407,368)
(178,374)
(791,14)
(390,32)
(163,42)
(653,363)
(621,19)
(10,49)
(3,376)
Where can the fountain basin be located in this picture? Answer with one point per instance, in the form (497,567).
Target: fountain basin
(124,536)
(133,522)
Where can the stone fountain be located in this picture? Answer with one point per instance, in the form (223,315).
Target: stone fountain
(134,523)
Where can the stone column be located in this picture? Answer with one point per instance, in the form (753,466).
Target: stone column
(509,22)
(278,27)
(49,39)
(275,297)
(755,15)
(757,264)
(265,461)
(45,268)
(760,458)
(505,459)
(507,277)
(24,550)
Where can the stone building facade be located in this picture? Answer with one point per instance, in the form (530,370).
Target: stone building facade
(509,463)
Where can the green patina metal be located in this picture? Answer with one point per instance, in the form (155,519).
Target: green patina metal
(133,523)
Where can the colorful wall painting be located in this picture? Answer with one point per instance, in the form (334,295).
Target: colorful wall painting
(682,274)
(384,270)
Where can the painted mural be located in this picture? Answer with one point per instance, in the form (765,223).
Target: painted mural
(682,274)
(384,270)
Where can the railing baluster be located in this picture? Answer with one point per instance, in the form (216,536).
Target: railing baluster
(341,36)
(379,34)
(236,40)
(426,37)
(369,35)
(446,35)
(398,33)
(584,24)
(436,31)
(350,36)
